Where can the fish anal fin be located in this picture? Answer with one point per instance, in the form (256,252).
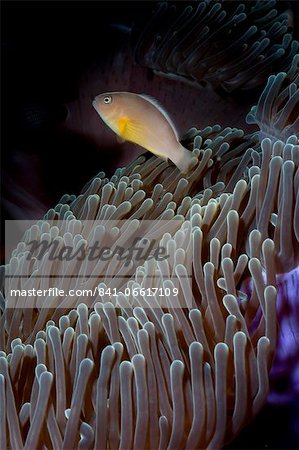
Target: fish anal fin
(160,155)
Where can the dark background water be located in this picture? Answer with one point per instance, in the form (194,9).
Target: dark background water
(46,49)
(56,56)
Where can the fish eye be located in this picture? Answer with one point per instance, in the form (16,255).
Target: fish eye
(107,99)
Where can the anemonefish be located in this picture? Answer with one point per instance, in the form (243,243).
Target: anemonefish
(140,119)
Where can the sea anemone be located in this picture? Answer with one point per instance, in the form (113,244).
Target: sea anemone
(227,44)
(130,371)
(277,111)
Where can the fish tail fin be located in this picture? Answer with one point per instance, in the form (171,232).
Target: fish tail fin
(184,160)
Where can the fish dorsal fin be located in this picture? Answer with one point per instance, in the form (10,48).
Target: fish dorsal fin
(155,102)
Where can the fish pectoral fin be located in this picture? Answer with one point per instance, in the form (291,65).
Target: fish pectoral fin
(135,131)
(131,130)
(122,126)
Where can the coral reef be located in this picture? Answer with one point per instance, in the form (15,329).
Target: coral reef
(132,373)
